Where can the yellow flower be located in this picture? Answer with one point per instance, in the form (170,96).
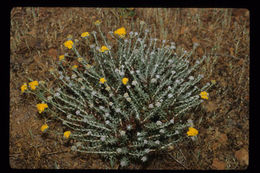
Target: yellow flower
(74,67)
(120,32)
(41,107)
(33,84)
(97,22)
(80,59)
(103,49)
(61,57)
(204,95)
(85,34)
(68,44)
(24,87)
(125,80)
(44,127)
(102,80)
(192,131)
(67,134)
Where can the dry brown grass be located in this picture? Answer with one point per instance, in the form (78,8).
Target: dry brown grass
(36,41)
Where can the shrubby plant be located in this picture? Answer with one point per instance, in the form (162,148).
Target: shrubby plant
(131,98)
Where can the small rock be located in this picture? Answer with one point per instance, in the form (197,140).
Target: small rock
(242,156)
(219,165)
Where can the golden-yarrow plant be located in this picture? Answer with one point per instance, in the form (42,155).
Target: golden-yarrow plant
(129,100)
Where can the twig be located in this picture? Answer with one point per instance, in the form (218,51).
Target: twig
(230,56)
(56,152)
(178,161)
(183,154)
(114,14)
(16,154)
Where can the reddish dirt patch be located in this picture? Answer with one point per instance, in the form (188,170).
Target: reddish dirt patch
(242,156)
(219,165)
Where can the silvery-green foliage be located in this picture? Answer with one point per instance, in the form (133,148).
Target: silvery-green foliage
(126,122)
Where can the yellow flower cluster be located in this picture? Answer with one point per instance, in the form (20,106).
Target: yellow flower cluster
(23,87)
(44,127)
(204,95)
(102,80)
(33,84)
(121,32)
(61,57)
(74,67)
(125,80)
(192,131)
(66,134)
(103,49)
(41,107)
(69,44)
(97,22)
(85,34)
